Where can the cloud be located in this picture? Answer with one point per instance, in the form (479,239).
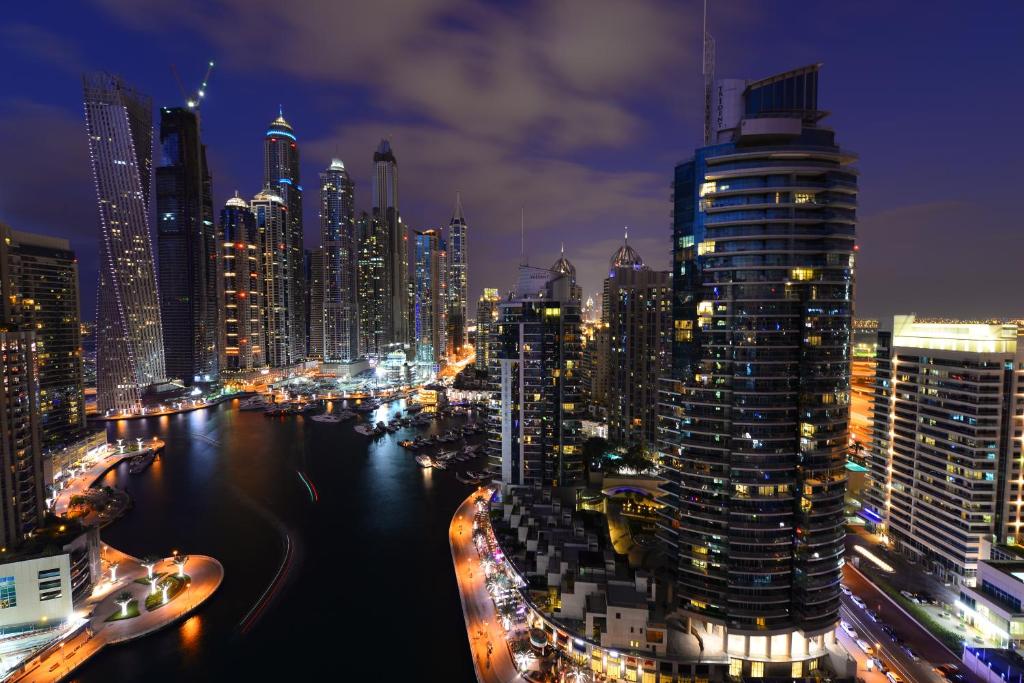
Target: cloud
(551,75)
(43,45)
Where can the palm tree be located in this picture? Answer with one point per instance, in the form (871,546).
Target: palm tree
(124,599)
(149,562)
(180,560)
(576,672)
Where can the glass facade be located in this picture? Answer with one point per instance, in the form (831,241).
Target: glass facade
(187,247)
(339,321)
(243,329)
(754,423)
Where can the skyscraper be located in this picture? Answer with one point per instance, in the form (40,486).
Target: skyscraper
(372,284)
(129,336)
(39,292)
(271,225)
(486,319)
(187,249)
(458,273)
(385,210)
(281,174)
(637,312)
(337,234)
(313,269)
(242,260)
(944,465)
(430,300)
(21,463)
(535,361)
(755,426)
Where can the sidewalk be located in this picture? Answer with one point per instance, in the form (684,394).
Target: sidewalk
(482,624)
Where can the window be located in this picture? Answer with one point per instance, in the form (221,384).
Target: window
(798,670)
(803,198)
(8,594)
(48,573)
(49,585)
(51,595)
(735,667)
(757,669)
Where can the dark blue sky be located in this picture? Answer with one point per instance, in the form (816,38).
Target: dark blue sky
(575,111)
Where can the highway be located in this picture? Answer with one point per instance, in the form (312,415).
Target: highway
(927,647)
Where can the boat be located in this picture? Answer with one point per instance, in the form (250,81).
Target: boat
(253,403)
(275,411)
(466,480)
(440,465)
(367,407)
(424,460)
(364,429)
(140,462)
(408,443)
(326,417)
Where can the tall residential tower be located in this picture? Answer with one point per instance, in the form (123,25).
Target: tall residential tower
(281,175)
(187,249)
(337,234)
(458,274)
(129,336)
(398,329)
(755,423)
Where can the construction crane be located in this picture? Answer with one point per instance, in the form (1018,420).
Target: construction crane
(194,99)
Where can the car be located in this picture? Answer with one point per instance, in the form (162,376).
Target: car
(893,677)
(910,596)
(887,629)
(857,601)
(911,653)
(865,646)
(850,631)
(946,669)
(876,663)
(845,589)
(873,615)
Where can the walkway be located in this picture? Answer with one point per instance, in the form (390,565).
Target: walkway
(482,625)
(61,658)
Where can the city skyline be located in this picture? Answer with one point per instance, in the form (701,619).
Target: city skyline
(614,183)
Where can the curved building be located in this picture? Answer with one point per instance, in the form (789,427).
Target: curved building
(129,335)
(755,420)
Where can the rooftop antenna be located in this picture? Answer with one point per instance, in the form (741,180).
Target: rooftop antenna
(194,99)
(627,234)
(522,236)
(708,70)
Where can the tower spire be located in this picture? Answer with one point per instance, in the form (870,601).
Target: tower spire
(458,206)
(627,235)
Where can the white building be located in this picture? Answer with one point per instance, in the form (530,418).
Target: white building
(944,468)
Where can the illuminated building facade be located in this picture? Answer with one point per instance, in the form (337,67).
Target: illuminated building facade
(281,175)
(39,292)
(754,424)
(372,285)
(458,274)
(398,328)
(339,321)
(313,272)
(534,368)
(431,310)
(637,309)
(242,260)
(129,335)
(186,243)
(271,213)
(486,317)
(21,476)
(945,463)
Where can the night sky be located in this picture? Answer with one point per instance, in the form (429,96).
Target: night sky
(574,110)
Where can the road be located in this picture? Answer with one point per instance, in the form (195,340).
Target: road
(928,648)
(482,625)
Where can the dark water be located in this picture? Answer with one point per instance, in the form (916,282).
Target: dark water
(369,593)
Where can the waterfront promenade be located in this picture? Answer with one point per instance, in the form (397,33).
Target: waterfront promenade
(202,575)
(482,625)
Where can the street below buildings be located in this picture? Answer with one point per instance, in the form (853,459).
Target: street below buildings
(492,659)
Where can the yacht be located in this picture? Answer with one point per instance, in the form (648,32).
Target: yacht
(326,417)
(424,460)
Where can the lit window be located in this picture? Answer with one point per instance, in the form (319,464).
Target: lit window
(757,669)
(735,667)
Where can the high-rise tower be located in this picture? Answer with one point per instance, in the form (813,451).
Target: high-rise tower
(458,273)
(242,259)
(281,174)
(385,209)
(187,248)
(755,423)
(430,309)
(39,293)
(129,336)
(271,225)
(337,234)
(636,334)
(372,284)
(486,319)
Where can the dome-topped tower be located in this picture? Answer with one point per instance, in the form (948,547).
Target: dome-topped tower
(626,256)
(279,125)
(564,267)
